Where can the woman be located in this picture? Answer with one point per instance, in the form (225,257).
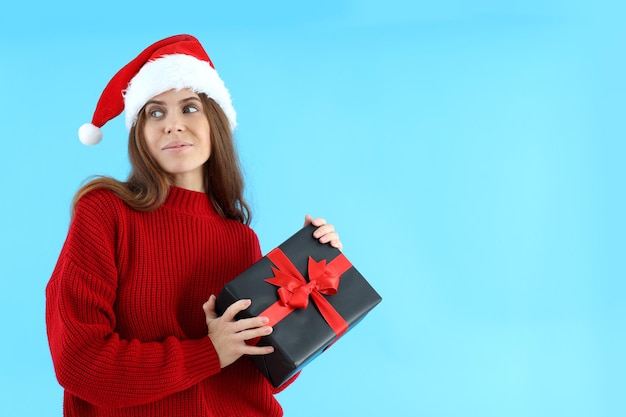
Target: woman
(131,303)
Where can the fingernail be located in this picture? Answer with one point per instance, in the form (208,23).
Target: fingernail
(264,320)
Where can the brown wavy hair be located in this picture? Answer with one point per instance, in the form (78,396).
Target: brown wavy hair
(147,186)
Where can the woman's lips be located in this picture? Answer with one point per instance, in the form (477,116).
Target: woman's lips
(176,146)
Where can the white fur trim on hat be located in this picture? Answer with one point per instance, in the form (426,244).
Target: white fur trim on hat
(175,72)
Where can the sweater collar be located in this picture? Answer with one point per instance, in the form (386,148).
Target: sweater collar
(190,202)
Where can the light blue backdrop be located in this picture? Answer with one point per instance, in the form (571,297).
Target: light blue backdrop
(470,153)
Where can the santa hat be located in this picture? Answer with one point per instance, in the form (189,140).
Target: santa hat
(175,63)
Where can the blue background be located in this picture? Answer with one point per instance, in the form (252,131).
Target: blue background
(470,153)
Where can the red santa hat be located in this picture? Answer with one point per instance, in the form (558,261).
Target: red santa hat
(175,63)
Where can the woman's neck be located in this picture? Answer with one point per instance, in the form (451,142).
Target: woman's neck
(189,181)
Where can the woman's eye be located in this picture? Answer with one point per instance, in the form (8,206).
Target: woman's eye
(155,113)
(190,109)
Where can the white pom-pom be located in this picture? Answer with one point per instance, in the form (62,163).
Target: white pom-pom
(89,134)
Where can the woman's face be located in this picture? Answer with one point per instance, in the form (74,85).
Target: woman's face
(178,136)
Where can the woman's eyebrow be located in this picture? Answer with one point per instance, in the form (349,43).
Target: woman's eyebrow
(192,98)
(161,103)
(157,102)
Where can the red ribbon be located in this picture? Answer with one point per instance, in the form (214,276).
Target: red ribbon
(294,290)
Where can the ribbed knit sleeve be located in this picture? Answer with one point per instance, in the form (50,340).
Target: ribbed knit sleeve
(92,360)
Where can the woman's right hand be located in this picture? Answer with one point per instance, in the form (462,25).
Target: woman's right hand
(229,335)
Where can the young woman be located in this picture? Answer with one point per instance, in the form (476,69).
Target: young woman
(131,303)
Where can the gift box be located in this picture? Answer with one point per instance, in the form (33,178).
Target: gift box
(312,294)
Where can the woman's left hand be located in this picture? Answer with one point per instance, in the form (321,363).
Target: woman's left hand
(325,233)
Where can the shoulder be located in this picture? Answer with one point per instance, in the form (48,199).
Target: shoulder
(245,229)
(241,230)
(93,231)
(98,197)
(100,200)
(252,241)
(100,208)
(241,236)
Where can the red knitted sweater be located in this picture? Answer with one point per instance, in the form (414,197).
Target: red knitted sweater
(124,314)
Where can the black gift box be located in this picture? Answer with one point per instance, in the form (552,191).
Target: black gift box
(303,333)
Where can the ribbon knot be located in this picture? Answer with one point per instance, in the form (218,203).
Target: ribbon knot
(293,289)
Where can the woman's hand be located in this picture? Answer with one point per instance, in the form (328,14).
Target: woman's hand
(229,335)
(325,233)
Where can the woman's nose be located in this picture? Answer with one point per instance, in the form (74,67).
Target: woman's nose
(174,123)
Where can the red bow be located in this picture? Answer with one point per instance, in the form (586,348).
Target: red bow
(294,290)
